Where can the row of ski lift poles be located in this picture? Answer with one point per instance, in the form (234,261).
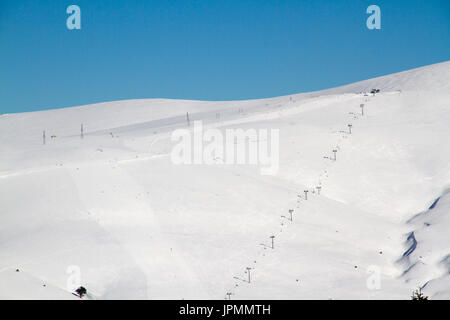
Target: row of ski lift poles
(349,131)
(298,200)
(241,110)
(272,238)
(272,246)
(81,134)
(188,121)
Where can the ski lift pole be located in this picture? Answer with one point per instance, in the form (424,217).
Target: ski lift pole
(248,271)
(318,189)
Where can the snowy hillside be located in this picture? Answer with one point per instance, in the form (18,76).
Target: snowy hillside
(139,226)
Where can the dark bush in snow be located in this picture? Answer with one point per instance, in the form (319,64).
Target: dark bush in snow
(81,291)
(418,295)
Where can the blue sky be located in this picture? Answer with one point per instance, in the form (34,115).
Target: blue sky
(206,49)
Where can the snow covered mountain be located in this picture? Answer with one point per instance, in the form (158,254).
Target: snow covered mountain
(113,205)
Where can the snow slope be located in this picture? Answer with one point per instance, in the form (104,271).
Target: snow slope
(141,227)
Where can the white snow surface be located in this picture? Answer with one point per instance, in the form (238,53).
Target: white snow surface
(141,227)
